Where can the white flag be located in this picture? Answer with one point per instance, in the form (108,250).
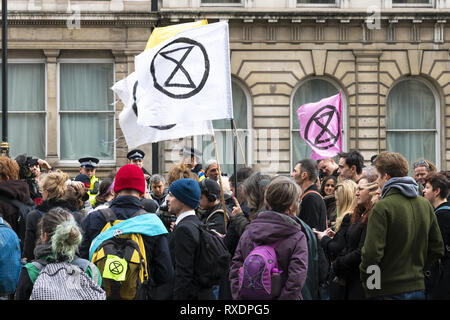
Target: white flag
(186,78)
(135,135)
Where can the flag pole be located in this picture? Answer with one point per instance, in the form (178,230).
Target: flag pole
(233,128)
(225,215)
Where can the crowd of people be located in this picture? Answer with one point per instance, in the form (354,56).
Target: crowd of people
(332,230)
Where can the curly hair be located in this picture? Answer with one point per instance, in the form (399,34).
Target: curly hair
(9,169)
(54,183)
(180,171)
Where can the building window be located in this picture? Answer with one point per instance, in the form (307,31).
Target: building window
(315,3)
(224,135)
(86,110)
(312,90)
(412,121)
(222,2)
(412,3)
(26,108)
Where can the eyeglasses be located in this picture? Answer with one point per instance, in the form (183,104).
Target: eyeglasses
(421,163)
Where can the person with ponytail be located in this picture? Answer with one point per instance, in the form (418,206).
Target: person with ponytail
(59,239)
(56,191)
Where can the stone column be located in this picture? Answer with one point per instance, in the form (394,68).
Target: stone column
(52,155)
(367,135)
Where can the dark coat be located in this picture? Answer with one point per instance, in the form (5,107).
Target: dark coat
(346,265)
(313,210)
(333,246)
(32,232)
(156,247)
(184,245)
(18,190)
(291,251)
(314,213)
(438,279)
(214,218)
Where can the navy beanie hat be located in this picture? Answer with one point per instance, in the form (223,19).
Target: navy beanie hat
(186,191)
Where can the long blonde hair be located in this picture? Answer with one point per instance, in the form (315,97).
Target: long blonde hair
(346,200)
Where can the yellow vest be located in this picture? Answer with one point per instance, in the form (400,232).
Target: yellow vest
(95,183)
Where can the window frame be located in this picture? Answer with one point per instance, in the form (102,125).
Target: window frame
(44,112)
(437,130)
(430,4)
(343,110)
(197,140)
(337,4)
(74,162)
(241,4)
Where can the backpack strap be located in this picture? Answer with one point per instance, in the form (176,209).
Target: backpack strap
(108,214)
(213,213)
(84,265)
(308,192)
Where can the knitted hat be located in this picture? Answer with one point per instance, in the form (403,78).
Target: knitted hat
(186,191)
(129,176)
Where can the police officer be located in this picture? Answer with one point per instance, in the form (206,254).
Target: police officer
(136,157)
(88,166)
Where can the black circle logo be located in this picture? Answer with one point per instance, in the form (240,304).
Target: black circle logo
(115,267)
(183,80)
(326,137)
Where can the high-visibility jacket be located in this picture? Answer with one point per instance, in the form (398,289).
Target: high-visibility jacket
(93,191)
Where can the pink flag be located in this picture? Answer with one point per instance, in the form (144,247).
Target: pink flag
(320,126)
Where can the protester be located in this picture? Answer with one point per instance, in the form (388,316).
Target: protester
(191,156)
(210,209)
(176,172)
(212,170)
(13,189)
(129,186)
(422,169)
(437,189)
(312,208)
(350,165)
(313,211)
(328,168)
(333,240)
(105,194)
(278,228)
(54,186)
(403,235)
(58,242)
(327,192)
(158,190)
(183,199)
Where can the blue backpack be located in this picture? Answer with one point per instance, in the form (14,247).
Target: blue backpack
(10,264)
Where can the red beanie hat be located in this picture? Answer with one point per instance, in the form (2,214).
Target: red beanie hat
(130,176)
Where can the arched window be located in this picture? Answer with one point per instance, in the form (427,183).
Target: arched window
(411,121)
(224,134)
(311,90)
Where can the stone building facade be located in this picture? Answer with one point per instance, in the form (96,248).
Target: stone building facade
(390,59)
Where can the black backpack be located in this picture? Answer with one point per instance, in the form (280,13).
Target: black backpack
(213,258)
(23,210)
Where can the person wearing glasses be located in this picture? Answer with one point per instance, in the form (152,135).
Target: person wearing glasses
(422,170)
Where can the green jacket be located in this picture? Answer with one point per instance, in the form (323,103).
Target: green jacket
(403,238)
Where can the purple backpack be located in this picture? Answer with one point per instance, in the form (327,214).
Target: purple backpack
(259,277)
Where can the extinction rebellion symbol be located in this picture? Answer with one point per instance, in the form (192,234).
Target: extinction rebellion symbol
(115,267)
(180,68)
(327,136)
